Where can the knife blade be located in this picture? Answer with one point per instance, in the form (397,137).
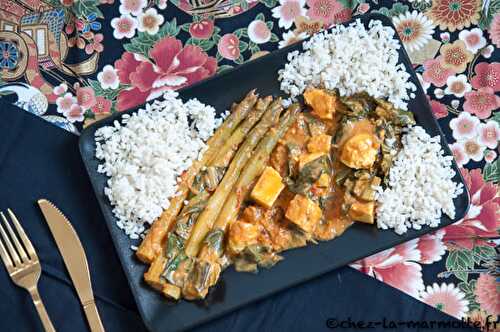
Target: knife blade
(74,258)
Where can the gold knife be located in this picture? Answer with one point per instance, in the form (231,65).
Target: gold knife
(74,258)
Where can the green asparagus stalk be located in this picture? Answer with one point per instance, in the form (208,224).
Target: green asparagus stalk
(200,187)
(207,263)
(207,217)
(255,166)
(151,246)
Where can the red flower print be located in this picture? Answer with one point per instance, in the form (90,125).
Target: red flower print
(95,45)
(85,97)
(343,16)
(101,106)
(171,67)
(494,30)
(438,109)
(202,29)
(229,46)
(487,76)
(69,28)
(431,247)
(481,102)
(324,10)
(363,8)
(79,24)
(435,73)
(67,3)
(487,294)
(483,218)
(397,266)
(125,66)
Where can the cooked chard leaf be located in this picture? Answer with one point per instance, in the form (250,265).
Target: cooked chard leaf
(195,205)
(242,265)
(256,255)
(213,176)
(175,245)
(184,225)
(342,174)
(309,174)
(316,126)
(360,105)
(173,265)
(198,184)
(215,239)
(405,118)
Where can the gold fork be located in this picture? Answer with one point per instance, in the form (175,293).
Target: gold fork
(22,264)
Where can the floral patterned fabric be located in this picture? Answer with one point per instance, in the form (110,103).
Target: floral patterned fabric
(73,62)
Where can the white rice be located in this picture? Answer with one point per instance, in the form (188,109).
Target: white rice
(350,59)
(145,154)
(421,185)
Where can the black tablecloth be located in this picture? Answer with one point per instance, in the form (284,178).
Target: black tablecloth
(39,160)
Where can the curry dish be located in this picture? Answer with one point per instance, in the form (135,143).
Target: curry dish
(272,180)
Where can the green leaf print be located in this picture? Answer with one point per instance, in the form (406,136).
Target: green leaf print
(483,253)
(488,13)
(458,261)
(491,172)
(468,288)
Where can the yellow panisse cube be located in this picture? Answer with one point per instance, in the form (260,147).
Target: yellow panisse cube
(304,213)
(323,181)
(171,291)
(308,157)
(321,102)
(319,143)
(242,234)
(360,151)
(268,187)
(361,211)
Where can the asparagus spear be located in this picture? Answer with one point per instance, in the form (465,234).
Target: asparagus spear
(253,169)
(226,153)
(208,216)
(184,222)
(151,246)
(213,244)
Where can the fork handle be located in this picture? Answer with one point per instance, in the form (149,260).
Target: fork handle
(40,307)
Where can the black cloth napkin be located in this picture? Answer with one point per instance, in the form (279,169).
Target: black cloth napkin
(39,160)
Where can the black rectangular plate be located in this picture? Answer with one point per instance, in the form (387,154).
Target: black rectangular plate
(237,289)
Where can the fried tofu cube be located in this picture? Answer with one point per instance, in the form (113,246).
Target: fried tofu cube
(308,157)
(319,143)
(360,151)
(304,213)
(365,188)
(321,102)
(323,181)
(363,212)
(268,187)
(242,234)
(171,291)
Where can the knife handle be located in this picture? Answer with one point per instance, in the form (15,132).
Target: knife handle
(93,318)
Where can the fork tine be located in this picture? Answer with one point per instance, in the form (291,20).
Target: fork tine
(20,249)
(22,234)
(5,257)
(12,251)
